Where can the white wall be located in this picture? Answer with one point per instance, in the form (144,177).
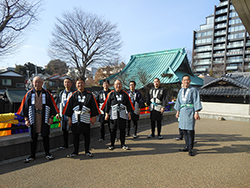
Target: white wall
(226,108)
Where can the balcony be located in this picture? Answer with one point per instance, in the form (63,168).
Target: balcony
(221,11)
(248,44)
(200,70)
(201,56)
(219,40)
(223,4)
(203,49)
(218,61)
(219,54)
(234,53)
(247,52)
(220,26)
(219,47)
(247,59)
(234,60)
(208,62)
(220,19)
(235,45)
(232,68)
(219,33)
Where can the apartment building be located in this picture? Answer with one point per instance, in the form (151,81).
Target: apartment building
(222,44)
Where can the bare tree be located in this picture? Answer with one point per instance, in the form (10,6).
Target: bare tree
(82,39)
(16,16)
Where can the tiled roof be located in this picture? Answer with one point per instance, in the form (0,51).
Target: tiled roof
(171,62)
(238,86)
(15,95)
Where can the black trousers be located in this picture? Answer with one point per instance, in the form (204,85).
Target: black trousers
(65,137)
(158,127)
(180,134)
(76,140)
(122,136)
(189,138)
(135,126)
(33,145)
(102,129)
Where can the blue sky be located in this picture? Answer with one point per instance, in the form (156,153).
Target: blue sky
(145,25)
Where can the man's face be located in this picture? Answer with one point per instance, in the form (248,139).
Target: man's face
(118,85)
(80,84)
(105,85)
(132,86)
(37,83)
(67,84)
(186,81)
(157,83)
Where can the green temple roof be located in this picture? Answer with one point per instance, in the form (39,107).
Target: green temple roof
(169,66)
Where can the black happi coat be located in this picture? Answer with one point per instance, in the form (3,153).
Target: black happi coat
(27,109)
(111,100)
(139,100)
(162,96)
(81,100)
(100,100)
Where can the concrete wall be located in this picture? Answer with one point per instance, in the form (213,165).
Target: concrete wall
(226,111)
(19,144)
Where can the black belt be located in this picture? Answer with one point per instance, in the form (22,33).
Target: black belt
(38,111)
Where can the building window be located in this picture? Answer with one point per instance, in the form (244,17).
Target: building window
(19,84)
(6,82)
(236,36)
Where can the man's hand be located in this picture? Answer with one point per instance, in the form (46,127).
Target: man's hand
(50,120)
(129,116)
(70,121)
(177,114)
(57,116)
(196,116)
(93,120)
(162,110)
(27,122)
(106,116)
(139,111)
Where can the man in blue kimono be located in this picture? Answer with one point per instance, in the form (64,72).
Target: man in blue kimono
(188,105)
(137,100)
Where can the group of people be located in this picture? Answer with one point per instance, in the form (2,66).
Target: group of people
(79,109)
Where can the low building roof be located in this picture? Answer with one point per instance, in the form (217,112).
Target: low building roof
(169,66)
(228,85)
(15,95)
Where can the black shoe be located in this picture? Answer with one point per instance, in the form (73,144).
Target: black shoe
(61,148)
(100,139)
(135,136)
(111,148)
(151,135)
(191,153)
(27,160)
(185,149)
(89,154)
(127,135)
(160,137)
(177,139)
(49,157)
(71,155)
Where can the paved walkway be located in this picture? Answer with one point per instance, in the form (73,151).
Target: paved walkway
(222,159)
